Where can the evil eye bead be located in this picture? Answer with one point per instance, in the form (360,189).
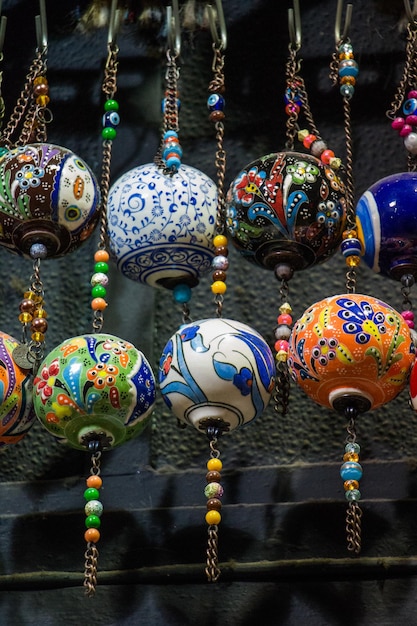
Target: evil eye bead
(111,119)
(215,102)
(410,106)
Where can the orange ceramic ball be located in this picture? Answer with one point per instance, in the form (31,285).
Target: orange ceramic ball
(351,350)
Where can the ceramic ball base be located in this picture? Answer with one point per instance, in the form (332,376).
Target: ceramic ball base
(286,208)
(216,370)
(94,387)
(351,350)
(48,196)
(161,227)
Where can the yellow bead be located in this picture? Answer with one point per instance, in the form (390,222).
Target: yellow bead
(353,261)
(43,100)
(31,295)
(349,485)
(219,287)
(335,163)
(281,356)
(40,80)
(285,308)
(350,234)
(214,465)
(219,240)
(25,318)
(351,456)
(302,134)
(40,313)
(37,336)
(213,518)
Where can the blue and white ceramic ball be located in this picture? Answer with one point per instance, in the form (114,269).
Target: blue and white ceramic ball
(216,369)
(161,226)
(386,217)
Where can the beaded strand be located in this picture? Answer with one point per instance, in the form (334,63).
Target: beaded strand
(213,492)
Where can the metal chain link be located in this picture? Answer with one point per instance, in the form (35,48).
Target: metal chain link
(90,571)
(407,281)
(282,389)
(171,119)
(354,527)
(212,568)
(409,72)
(37,68)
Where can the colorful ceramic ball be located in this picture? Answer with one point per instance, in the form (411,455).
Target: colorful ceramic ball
(48,196)
(94,387)
(16,413)
(286,208)
(216,369)
(161,226)
(387,225)
(351,350)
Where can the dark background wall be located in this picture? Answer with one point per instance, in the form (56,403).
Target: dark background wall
(282,540)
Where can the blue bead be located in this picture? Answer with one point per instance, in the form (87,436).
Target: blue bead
(291,95)
(173,148)
(215,102)
(173,162)
(182,293)
(353,448)
(410,106)
(170,133)
(351,247)
(348,68)
(351,471)
(353,495)
(111,119)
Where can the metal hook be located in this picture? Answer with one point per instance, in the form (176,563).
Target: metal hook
(338,23)
(114,24)
(3,24)
(216,15)
(173,28)
(410,12)
(294,25)
(41,27)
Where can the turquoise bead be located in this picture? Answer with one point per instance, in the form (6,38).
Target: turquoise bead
(170,133)
(173,162)
(182,293)
(348,68)
(93,521)
(91,493)
(353,495)
(353,448)
(351,471)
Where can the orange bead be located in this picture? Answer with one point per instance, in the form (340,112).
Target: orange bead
(214,465)
(353,261)
(219,287)
(92,535)
(43,100)
(101,255)
(307,141)
(349,485)
(326,155)
(40,80)
(351,456)
(38,336)
(213,518)
(98,304)
(25,318)
(219,240)
(94,481)
(350,234)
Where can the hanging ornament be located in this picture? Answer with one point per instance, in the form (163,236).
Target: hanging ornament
(161,216)
(217,375)
(96,391)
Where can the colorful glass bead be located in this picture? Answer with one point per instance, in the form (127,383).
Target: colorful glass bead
(93,507)
(161,227)
(94,386)
(353,495)
(351,348)
(213,490)
(216,368)
(387,225)
(351,470)
(278,207)
(215,102)
(48,196)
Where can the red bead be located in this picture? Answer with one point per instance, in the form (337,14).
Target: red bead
(284,318)
(307,141)
(406,130)
(398,123)
(292,109)
(407,315)
(326,156)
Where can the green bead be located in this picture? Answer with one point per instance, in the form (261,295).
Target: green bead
(91,494)
(98,291)
(101,266)
(111,105)
(108,133)
(93,521)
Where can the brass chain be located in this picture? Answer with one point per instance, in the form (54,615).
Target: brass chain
(37,68)
(212,563)
(409,72)
(36,348)
(171,118)
(354,527)
(90,572)
(282,389)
